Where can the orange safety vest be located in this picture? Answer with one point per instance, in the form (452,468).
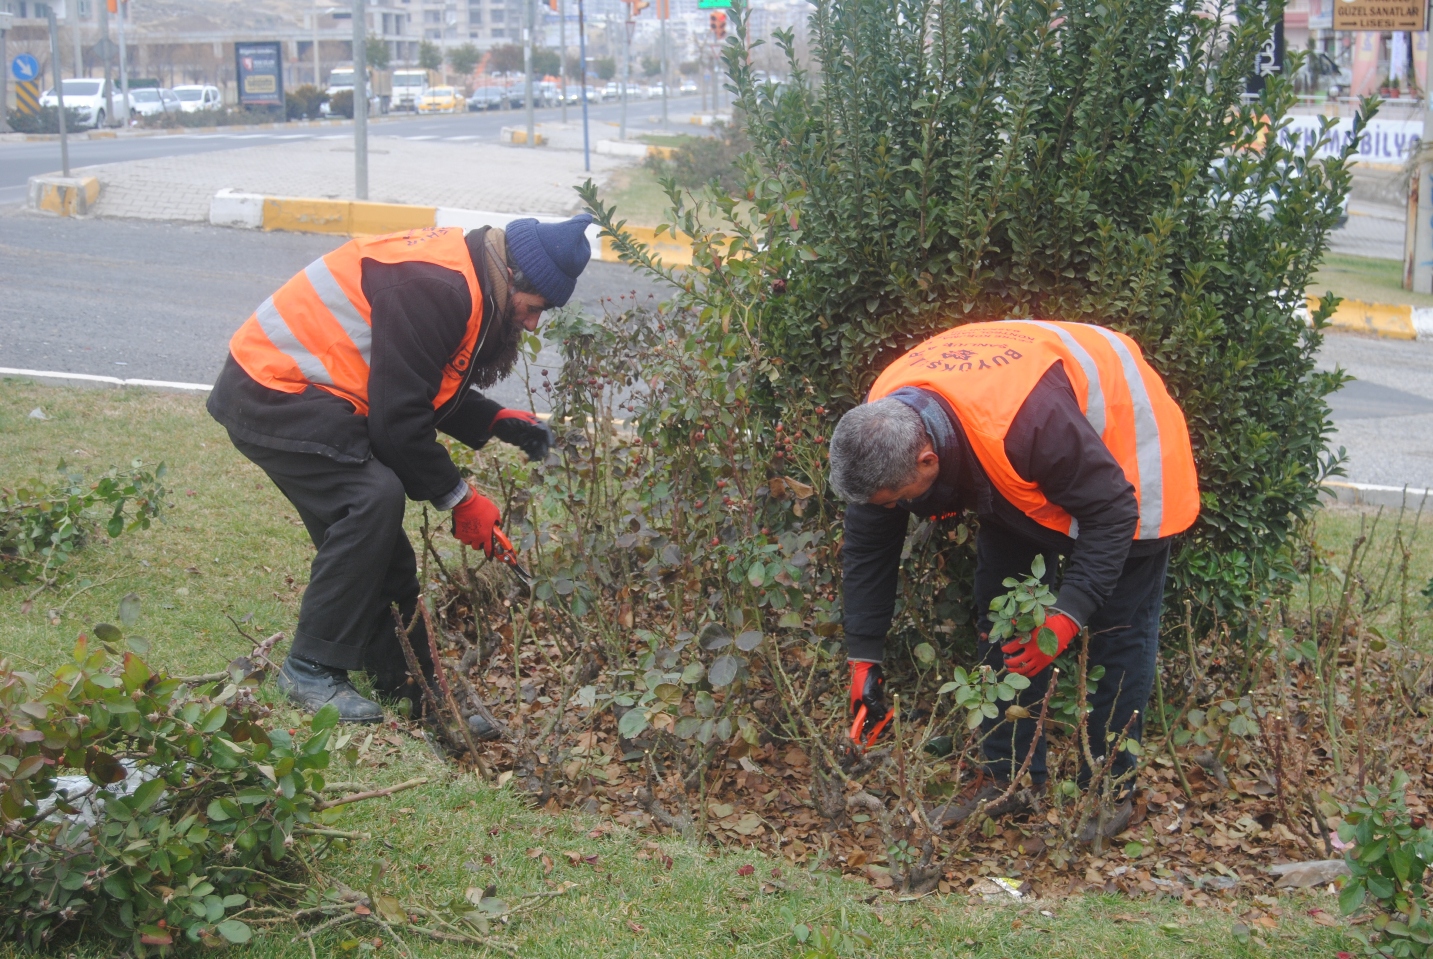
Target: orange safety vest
(317,330)
(985,371)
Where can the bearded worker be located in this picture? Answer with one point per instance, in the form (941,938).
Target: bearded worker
(1066,444)
(337,387)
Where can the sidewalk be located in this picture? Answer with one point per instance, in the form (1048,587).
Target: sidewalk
(475,176)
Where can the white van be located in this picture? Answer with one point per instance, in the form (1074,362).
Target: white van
(194,97)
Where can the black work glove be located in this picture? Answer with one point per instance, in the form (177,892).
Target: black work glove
(523,430)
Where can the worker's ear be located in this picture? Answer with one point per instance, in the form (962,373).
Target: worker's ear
(928,457)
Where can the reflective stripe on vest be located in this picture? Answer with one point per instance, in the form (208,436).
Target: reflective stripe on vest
(987,370)
(316,330)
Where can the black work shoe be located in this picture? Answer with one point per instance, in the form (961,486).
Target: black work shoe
(311,686)
(987,790)
(1108,821)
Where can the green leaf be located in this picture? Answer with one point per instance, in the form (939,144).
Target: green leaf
(1048,642)
(925,653)
(632,722)
(1350,899)
(107,633)
(325,718)
(129,609)
(1037,568)
(147,795)
(234,931)
(748,640)
(756,573)
(723,671)
(214,719)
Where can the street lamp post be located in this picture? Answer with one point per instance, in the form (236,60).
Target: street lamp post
(562,59)
(582,55)
(527,70)
(59,89)
(360,100)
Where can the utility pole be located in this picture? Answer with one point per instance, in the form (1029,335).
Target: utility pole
(5,18)
(1419,270)
(72,14)
(664,10)
(314,14)
(123,68)
(627,27)
(527,69)
(360,100)
(582,55)
(108,57)
(562,44)
(59,89)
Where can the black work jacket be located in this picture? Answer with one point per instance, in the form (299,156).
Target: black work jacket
(1051,444)
(420,315)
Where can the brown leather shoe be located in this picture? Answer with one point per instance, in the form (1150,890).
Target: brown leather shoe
(984,791)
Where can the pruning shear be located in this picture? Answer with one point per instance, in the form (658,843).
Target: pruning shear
(504,552)
(866,739)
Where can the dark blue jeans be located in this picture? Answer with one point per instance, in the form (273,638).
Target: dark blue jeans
(1124,639)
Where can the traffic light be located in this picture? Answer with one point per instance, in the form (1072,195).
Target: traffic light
(639,5)
(718,22)
(552,5)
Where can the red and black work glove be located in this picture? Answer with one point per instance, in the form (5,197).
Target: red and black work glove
(523,430)
(1024,656)
(474,520)
(868,703)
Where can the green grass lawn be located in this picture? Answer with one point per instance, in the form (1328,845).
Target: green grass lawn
(231,546)
(1365,278)
(637,195)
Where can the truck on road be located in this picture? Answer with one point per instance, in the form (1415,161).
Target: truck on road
(380,87)
(409,86)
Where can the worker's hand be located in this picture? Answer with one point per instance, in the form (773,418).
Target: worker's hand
(523,430)
(474,520)
(1024,655)
(868,702)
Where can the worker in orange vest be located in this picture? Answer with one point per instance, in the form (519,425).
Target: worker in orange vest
(337,387)
(1066,444)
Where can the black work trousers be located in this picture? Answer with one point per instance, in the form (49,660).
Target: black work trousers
(1124,639)
(365,564)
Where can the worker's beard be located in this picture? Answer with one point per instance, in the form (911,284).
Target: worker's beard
(499,354)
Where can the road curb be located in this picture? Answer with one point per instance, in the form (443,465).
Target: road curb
(1394,321)
(254,211)
(1372,494)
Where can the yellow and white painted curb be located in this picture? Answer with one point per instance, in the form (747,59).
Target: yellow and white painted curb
(63,196)
(1395,321)
(254,211)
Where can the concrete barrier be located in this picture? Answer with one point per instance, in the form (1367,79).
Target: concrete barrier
(242,210)
(1371,494)
(519,135)
(63,196)
(343,217)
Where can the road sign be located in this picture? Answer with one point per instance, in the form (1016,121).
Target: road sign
(1380,15)
(105,48)
(27,96)
(25,67)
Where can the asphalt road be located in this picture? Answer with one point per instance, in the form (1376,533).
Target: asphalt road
(21,160)
(137,299)
(145,300)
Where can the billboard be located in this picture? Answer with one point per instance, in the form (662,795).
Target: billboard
(259,68)
(1380,15)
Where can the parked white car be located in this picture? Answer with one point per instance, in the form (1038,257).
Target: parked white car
(196,97)
(149,102)
(85,97)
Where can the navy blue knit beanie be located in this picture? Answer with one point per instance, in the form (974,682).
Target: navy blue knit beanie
(550,255)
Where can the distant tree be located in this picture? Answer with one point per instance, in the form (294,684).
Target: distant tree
(429,56)
(545,62)
(505,59)
(464,59)
(651,66)
(605,67)
(689,68)
(574,67)
(375,50)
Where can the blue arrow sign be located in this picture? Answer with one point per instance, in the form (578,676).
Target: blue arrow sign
(25,67)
